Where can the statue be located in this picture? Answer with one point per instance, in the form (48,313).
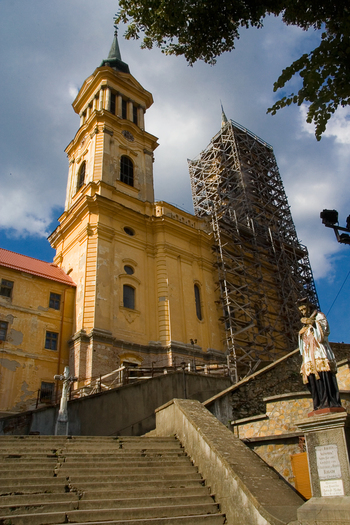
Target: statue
(61,428)
(319,366)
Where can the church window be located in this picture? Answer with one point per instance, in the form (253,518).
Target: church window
(197,297)
(126,170)
(124,108)
(81,176)
(113,103)
(51,341)
(6,288)
(128,297)
(55,301)
(46,392)
(129,231)
(134,114)
(3,330)
(128,269)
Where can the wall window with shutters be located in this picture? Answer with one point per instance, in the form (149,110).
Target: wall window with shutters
(126,170)
(128,297)
(197,297)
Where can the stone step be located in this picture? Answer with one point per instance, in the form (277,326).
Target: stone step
(50,438)
(57,506)
(205,519)
(55,485)
(33,487)
(11,473)
(154,501)
(75,463)
(35,508)
(149,475)
(91,457)
(65,470)
(123,462)
(96,472)
(132,485)
(93,515)
(53,480)
(27,464)
(113,445)
(41,497)
(88,495)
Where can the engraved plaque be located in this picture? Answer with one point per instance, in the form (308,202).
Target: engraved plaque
(328,465)
(332,488)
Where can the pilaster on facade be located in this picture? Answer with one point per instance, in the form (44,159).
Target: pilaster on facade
(163,301)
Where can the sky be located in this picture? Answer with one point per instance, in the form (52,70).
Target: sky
(47,50)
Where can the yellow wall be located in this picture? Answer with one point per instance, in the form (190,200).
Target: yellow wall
(170,253)
(24,361)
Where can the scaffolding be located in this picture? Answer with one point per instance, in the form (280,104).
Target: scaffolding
(261,266)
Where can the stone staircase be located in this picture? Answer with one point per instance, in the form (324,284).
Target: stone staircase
(95,480)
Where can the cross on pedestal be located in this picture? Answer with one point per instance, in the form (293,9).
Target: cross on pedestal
(61,428)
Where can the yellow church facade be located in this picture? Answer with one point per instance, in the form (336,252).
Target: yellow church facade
(143,269)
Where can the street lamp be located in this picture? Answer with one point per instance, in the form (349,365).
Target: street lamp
(330,220)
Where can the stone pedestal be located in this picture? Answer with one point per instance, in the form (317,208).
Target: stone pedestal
(327,442)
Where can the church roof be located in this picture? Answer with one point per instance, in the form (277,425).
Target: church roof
(114,59)
(23,263)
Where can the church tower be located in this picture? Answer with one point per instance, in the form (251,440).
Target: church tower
(111,143)
(144,270)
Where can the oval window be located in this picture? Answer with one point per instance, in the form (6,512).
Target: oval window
(129,231)
(128,269)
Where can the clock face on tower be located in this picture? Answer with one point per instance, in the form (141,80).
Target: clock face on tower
(129,136)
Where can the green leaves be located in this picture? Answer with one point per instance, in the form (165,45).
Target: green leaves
(204,29)
(325,74)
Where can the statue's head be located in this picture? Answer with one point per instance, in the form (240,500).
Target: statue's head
(305,307)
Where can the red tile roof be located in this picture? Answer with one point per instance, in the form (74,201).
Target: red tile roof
(26,264)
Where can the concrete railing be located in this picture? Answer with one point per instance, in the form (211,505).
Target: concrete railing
(248,490)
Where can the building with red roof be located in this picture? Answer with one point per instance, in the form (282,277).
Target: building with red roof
(36,322)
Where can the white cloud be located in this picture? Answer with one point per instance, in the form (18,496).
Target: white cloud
(73,91)
(338,126)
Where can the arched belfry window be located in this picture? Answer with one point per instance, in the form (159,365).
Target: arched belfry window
(197,298)
(81,175)
(126,170)
(128,297)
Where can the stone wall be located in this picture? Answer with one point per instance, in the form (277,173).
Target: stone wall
(246,398)
(278,454)
(128,410)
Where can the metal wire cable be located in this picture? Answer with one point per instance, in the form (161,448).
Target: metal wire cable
(336,297)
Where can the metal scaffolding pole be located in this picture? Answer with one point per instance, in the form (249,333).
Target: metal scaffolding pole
(261,266)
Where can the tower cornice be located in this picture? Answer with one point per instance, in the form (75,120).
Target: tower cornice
(104,121)
(104,77)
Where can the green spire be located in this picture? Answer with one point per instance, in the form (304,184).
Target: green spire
(114,59)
